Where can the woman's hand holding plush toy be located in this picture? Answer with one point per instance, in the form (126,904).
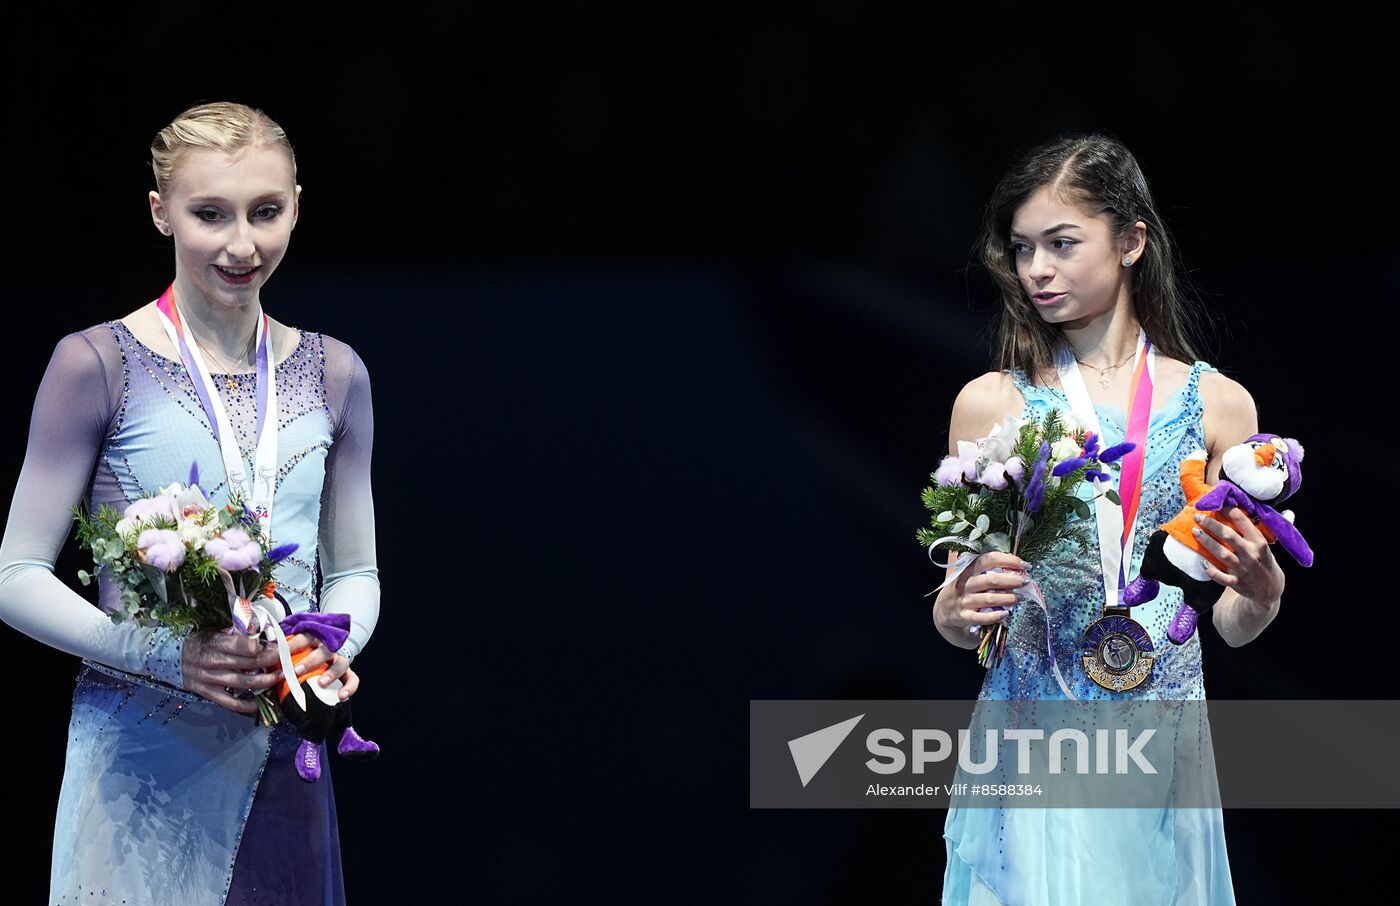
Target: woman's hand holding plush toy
(338,665)
(1253,586)
(1254,574)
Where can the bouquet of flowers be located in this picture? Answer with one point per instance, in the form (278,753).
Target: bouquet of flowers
(1015,491)
(183,563)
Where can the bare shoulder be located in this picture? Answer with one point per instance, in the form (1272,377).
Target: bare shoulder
(1227,404)
(983,402)
(1228,413)
(1171,373)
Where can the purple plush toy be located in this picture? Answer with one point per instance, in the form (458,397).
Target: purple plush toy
(1256,476)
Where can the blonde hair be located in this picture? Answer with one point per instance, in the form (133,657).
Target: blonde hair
(221,126)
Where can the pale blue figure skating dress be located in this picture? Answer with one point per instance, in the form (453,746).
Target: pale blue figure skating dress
(168,798)
(1017,856)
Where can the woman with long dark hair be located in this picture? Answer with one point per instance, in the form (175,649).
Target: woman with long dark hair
(1093,306)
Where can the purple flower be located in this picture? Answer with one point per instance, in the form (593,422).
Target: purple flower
(1091,444)
(161,548)
(1035,488)
(1113,454)
(1068,466)
(281,552)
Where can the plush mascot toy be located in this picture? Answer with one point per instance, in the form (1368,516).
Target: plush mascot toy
(1255,476)
(325,714)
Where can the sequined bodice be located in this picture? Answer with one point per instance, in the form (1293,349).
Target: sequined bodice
(1072,582)
(160,428)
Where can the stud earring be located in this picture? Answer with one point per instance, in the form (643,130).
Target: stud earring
(1127,262)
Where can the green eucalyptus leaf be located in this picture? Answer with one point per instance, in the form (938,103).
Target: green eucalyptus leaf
(157,580)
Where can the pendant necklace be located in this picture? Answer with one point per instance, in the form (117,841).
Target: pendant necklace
(1117,652)
(229,382)
(1103,372)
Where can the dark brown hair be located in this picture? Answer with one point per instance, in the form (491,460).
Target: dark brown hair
(1097,173)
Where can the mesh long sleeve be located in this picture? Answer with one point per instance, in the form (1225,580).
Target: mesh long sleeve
(72,411)
(350,577)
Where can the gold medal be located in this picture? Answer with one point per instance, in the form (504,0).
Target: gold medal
(1117,652)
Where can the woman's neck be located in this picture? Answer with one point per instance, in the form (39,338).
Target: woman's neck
(1104,340)
(228,331)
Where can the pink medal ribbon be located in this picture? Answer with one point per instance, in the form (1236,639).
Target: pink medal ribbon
(1117,651)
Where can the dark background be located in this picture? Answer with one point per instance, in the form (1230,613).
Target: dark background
(664,309)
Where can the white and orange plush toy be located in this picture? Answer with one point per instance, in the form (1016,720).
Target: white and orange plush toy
(1255,476)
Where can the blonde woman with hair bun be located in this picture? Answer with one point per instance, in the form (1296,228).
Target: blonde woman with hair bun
(172,794)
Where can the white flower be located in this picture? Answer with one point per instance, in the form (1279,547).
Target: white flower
(194,535)
(1064,449)
(999,445)
(191,500)
(968,455)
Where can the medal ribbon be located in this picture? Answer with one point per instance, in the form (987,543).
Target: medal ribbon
(1130,478)
(258,492)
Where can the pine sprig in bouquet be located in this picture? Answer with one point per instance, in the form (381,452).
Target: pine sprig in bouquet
(183,563)
(1015,491)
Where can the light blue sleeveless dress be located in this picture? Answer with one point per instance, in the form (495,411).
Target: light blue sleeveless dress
(157,804)
(1063,856)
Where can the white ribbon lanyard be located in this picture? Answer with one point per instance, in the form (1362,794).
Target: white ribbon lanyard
(1112,542)
(258,493)
(266,622)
